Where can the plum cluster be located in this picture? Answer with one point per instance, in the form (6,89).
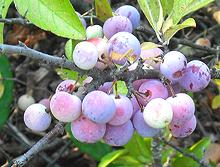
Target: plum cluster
(113,118)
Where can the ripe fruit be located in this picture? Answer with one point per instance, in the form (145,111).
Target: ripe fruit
(149,55)
(158,113)
(94,31)
(107,87)
(65,107)
(116,24)
(137,83)
(196,76)
(135,105)
(153,89)
(81,19)
(98,107)
(184,130)
(183,108)
(173,65)
(131,13)
(46,103)
(25,101)
(85,55)
(118,135)
(124,110)
(87,131)
(120,44)
(67,86)
(36,118)
(142,127)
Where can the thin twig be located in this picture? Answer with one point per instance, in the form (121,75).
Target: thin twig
(15,21)
(39,146)
(156,151)
(192,156)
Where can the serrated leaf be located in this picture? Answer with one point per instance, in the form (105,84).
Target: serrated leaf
(183,7)
(142,150)
(197,149)
(4,5)
(69,48)
(95,150)
(153,11)
(149,45)
(168,34)
(69,74)
(216,102)
(57,16)
(7,97)
(103,9)
(107,159)
(121,88)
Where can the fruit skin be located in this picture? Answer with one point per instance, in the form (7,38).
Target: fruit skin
(124,110)
(142,127)
(131,13)
(149,54)
(173,64)
(135,105)
(185,130)
(121,43)
(158,113)
(85,55)
(65,107)
(183,108)
(118,135)
(116,24)
(196,76)
(83,21)
(137,83)
(36,118)
(86,130)
(107,87)
(98,107)
(203,42)
(67,86)
(94,31)
(153,89)
(46,103)
(25,101)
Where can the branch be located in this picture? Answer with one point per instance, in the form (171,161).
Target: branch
(15,21)
(192,156)
(39,146)
(182,41)
(156,151)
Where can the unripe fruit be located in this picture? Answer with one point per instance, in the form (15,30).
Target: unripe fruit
(36,118)
(158,113)
(25,101)
(85,55)
(203,42)
(65,107)
(94,31)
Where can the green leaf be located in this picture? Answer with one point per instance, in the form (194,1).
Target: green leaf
(121,88)
(190,22)
(216,102)
(4,5)
(126,161)
(69,47)
(103,9)
(107,159)
(95,150)
(142,149)
(57,16)
(153,11)
(197,149)
(7,97)
(69,74)
(167,6)
(183,7)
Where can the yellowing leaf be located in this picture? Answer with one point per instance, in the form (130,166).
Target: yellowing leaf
(103,9)
(190,22)
(2,88)
(149,45)
(216,102)
(129,55)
